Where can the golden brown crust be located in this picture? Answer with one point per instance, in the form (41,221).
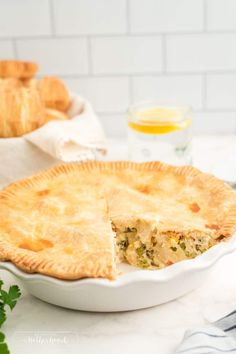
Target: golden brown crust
(10,84)
(21,109)
(58,222)
(17,69)
(53,93)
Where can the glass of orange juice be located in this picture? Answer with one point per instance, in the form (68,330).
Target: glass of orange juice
(159,132)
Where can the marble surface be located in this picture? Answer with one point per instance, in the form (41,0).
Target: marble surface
(37,327)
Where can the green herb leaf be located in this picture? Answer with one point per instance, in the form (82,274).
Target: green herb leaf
(3,346)
(13,294)
(6,299)
(9,298)
(2,314)
(2,337)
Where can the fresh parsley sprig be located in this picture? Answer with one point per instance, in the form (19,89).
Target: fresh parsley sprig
(7,298)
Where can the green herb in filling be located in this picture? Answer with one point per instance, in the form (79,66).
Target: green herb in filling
(200,248)
(173,249)
(143,263)
(130,229)
(140,251)
(190,254)
(183,246)
(150,253)
(123,244)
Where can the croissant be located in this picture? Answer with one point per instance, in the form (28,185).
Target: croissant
(52,91)
(10,84)
(21,110)
(17,69)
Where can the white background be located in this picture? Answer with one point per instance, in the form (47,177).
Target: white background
(116,52)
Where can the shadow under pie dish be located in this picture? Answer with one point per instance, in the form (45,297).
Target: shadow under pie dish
(79,220)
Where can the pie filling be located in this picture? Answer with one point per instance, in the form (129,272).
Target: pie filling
(142,244)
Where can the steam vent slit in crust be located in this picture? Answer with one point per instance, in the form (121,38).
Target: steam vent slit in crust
(79,220)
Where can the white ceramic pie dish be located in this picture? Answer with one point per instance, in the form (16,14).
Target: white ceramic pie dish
(134,289)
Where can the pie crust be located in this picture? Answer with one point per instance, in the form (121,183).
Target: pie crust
(69,222)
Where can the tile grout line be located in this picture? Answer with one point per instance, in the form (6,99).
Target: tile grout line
(197,111)
(204,92)
(112,35)
(130,87)
(52,18)
(205,12)
(151,74)
(15,51)
(217,110)
(89,52)
(128,23)
(164,53)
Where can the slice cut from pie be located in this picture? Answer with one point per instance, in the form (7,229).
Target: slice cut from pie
(78,220)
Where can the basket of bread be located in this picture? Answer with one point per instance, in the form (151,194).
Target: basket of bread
(42,123)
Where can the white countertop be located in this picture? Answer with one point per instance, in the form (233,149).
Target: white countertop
(37,327)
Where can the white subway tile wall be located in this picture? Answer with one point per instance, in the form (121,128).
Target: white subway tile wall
(201,52)
(116,52)
(6,49)
(126,55)
(65,56)
(221,15)
(221,91)
(166,16)
(107,94)
(169,88)
(24,18)
(90,17)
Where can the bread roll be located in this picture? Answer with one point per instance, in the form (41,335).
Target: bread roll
(17,69)
(53,93)
(21,111)
(10,84)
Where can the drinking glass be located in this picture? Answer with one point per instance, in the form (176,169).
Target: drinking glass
(160,133)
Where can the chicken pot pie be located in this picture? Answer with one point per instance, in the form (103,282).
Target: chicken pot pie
(79,220)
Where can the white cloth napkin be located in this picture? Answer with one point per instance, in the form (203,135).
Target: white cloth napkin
(73,140)
(219,337)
